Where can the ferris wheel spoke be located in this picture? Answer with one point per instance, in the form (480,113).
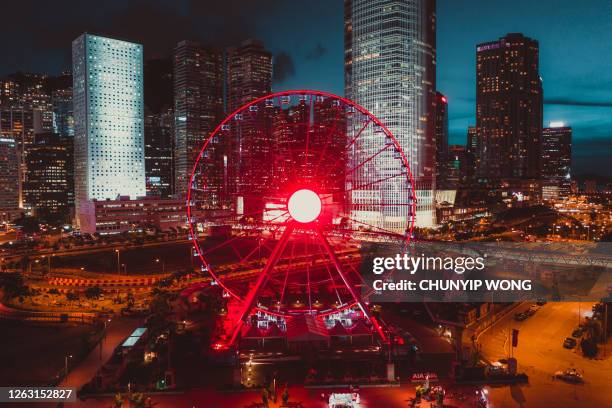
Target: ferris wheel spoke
(369,159)
(327,140)
(353,140)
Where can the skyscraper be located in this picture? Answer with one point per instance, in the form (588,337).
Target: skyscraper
(390,69)
(473,158)
(9,183)
(108,113)
(456,166)
(509,108)
(63,115)
(198,105)
(249,73)
(48,188)
(556,161)
(17,124)
(441,140)
(158,153)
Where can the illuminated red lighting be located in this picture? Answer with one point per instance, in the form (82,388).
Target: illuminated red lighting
(304,206)
(444,99)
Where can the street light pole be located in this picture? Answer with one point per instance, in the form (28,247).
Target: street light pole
(118,262)
(66,364)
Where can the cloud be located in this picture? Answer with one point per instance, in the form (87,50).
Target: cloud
(283,67)
(574,102)
(317,52)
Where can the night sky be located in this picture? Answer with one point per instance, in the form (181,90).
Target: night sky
(307,41)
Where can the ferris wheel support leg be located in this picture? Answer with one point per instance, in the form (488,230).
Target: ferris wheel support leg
(364,308)
(253,294)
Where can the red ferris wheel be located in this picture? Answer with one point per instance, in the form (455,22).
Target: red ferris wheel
(285,195)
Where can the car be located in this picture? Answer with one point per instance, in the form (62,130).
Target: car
(578,332)
(519,317)
(569,343)
(570,375)
(541,301)
(533,308)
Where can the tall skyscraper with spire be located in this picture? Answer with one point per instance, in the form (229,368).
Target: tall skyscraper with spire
(390,69)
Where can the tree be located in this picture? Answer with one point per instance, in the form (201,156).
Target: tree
(72,296)
(93,292)
(589,347)
(13,285)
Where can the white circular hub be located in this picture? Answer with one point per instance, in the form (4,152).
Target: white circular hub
(304,206)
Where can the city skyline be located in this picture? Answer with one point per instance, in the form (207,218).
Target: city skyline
(575,80)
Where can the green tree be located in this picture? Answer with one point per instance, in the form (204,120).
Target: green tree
(93,292)
(13,285)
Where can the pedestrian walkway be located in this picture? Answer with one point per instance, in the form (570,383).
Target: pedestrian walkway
(116,331)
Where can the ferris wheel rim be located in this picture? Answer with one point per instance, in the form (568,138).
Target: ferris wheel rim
(294,92)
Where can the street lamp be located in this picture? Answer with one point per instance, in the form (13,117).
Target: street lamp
(157,260)
(118,262)
(66,363)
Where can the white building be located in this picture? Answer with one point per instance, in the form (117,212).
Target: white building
(108,114)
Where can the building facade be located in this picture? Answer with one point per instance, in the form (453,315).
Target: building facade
(9,183)
(158,153)
(556,161)
(390,69)
(63,115)
(48,189)
(125,214)
(17,124)
(248,73)
(198,105)
(509,108)
(441,140)
(109,123)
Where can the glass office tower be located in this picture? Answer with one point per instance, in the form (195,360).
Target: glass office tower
(108,114)
(390,57)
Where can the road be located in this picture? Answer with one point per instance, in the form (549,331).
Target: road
(387,397)
(540,353)
(116,332)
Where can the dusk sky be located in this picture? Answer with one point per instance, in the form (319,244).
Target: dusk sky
(307,40)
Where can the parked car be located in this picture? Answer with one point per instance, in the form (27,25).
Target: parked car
(541,301)
(569,343)
(519,317)
(578,332)
(569,375)
(533,308)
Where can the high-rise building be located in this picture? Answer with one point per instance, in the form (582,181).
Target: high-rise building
(509,108)
(441,140)
(556,161)
(109,122)
(198,105)
(248,73)
(472,152)
(456,166)
(390,69)
(17,124)
(9,184)
(63,116)
(48,188)
(158,153)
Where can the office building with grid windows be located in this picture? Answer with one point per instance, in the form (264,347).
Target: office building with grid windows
(109,123)
(390,57)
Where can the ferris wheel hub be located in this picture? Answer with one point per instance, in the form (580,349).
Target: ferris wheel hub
(304,206)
